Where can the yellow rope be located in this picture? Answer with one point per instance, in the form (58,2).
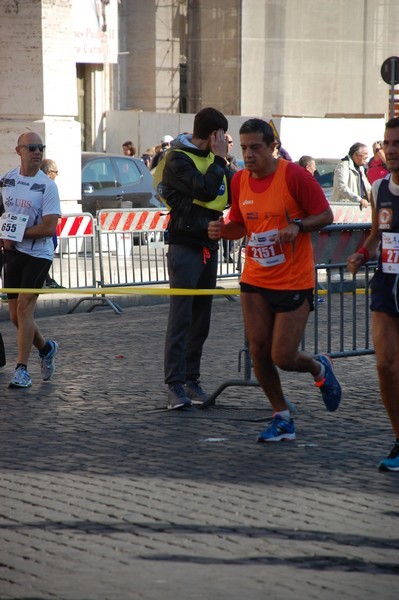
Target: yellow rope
(144,291)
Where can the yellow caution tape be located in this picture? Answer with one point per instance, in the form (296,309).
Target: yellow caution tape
(144,291)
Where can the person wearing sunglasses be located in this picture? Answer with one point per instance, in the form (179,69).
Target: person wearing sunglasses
(30,208)
(49,167)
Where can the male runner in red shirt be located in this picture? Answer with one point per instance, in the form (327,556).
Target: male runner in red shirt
(276,204)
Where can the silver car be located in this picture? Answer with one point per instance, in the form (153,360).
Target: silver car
(115,181)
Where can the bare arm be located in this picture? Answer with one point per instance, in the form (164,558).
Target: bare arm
(45,229)
(309,223)
(357,259)
(228,231)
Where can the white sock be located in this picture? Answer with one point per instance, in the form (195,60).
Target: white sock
(284,414)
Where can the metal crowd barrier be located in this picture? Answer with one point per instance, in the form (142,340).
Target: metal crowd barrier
(340,323)
(132,250)
(74,263)
(338,326)
(131,247)
(126,248)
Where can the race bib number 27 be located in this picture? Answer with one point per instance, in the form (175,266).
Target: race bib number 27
(390,252)
(12,227)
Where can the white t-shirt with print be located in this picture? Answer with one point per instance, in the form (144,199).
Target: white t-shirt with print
(34,197)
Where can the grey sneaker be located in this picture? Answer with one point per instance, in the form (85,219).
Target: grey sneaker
(47,362)
(21,379)
(177,397)
(195,392)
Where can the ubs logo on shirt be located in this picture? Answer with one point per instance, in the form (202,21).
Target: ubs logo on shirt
(22,203)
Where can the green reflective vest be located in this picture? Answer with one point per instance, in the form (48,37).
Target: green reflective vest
(202,163)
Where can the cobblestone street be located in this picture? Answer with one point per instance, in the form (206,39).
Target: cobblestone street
(107,495)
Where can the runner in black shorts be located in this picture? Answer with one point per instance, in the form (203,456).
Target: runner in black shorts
(383,242)
(282,300)
(276,204)
(384,294)
(24,271)
(30,208)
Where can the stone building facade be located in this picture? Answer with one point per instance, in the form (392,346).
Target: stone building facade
(246,57)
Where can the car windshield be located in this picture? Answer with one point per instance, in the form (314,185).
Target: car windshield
(127,171)
(325,171)
(99,173)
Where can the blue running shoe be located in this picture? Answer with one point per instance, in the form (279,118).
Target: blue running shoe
(391,463)
(278,430)
(329,386)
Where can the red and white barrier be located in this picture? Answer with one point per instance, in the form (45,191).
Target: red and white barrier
(350,213)
(75,226)
(124,221)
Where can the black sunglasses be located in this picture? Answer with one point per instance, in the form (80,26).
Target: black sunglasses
(34,147)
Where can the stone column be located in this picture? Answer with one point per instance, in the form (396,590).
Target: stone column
(38,86)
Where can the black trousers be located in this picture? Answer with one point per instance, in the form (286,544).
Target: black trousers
(189,316)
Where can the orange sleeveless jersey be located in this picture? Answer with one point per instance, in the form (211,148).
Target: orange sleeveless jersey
(269,264)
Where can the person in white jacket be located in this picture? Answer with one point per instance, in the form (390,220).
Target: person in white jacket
(350,181)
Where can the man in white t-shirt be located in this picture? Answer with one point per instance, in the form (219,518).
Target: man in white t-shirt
(30,205)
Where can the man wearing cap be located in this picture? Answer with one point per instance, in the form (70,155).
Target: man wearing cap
(276,204)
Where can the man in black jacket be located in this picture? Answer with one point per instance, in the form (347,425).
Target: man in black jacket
(195,185)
